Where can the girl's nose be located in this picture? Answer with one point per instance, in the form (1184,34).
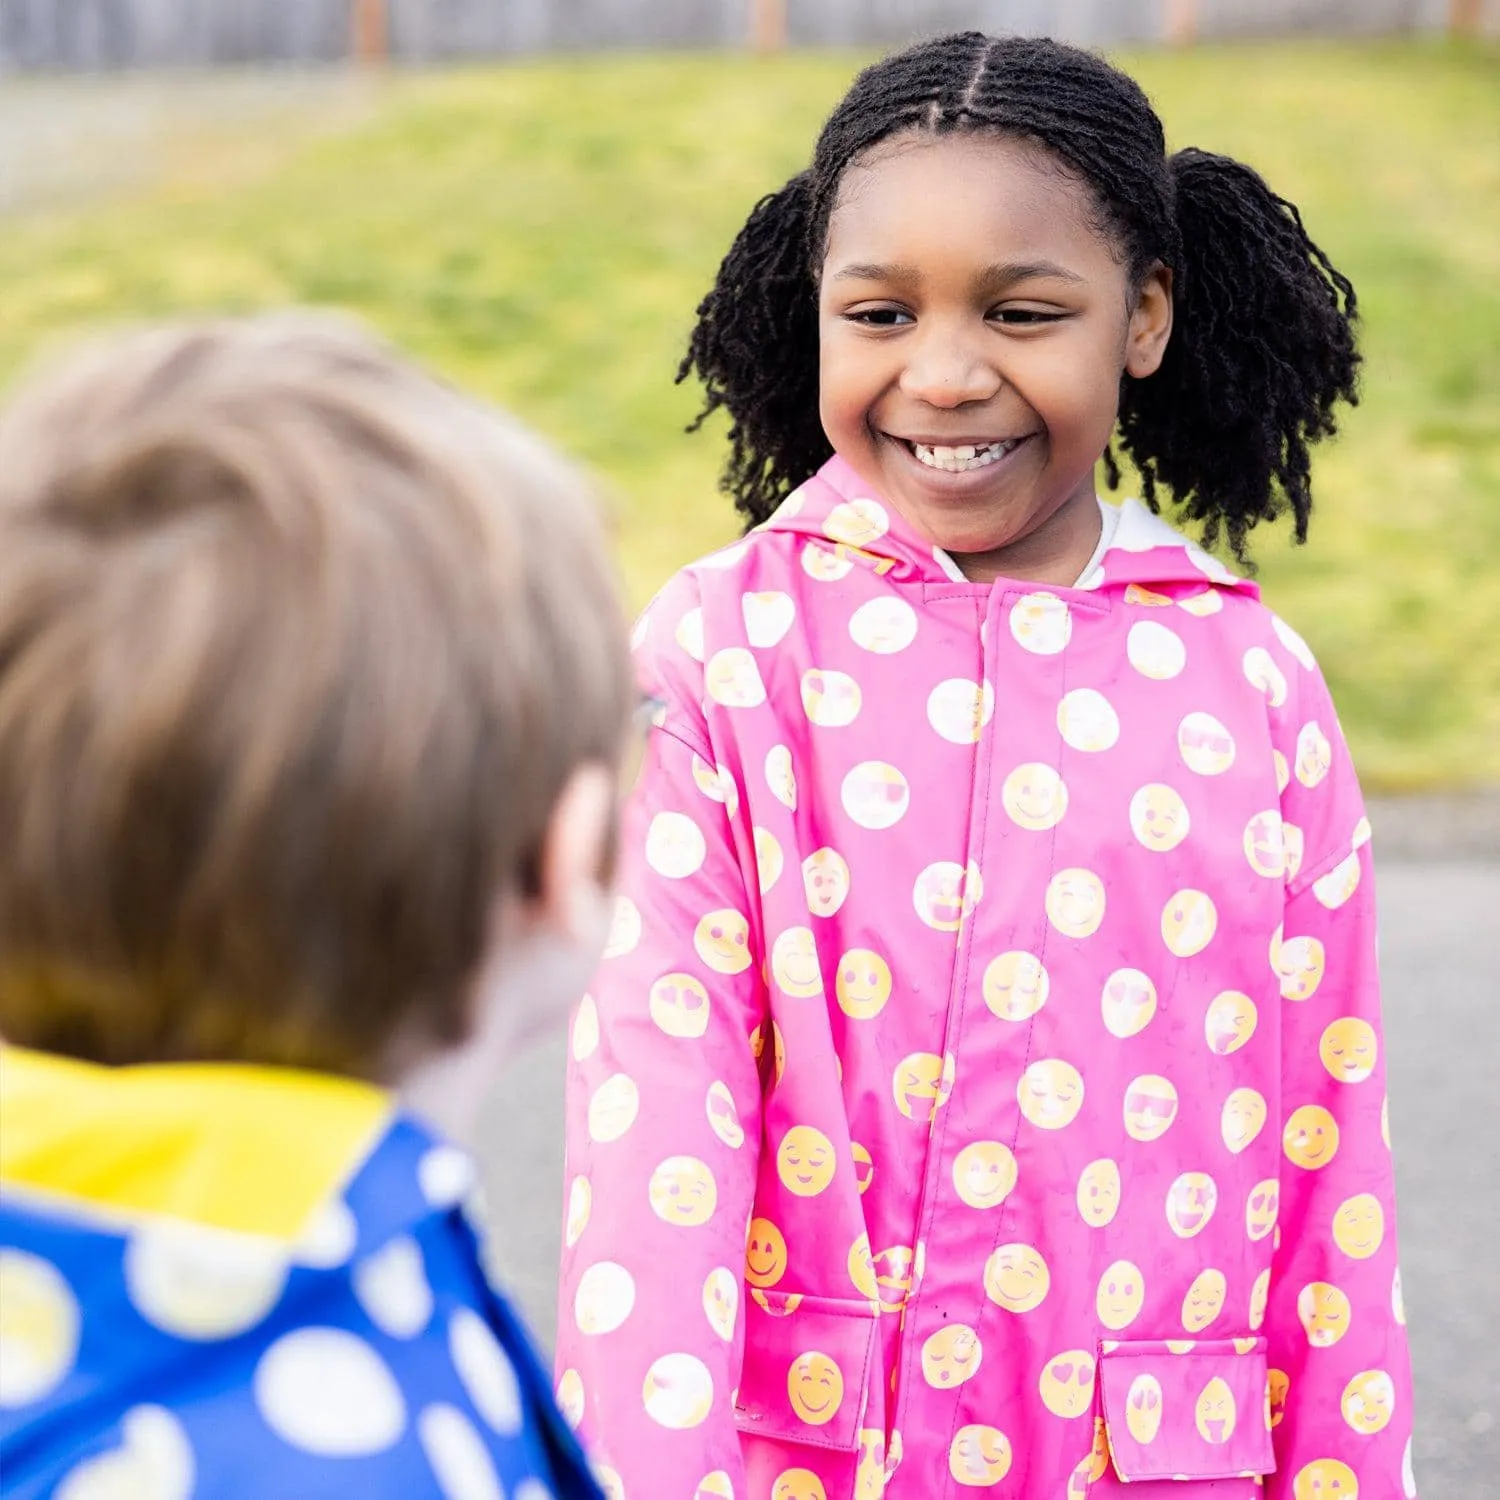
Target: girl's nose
(949,370)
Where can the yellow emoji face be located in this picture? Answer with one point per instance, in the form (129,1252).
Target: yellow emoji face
(689,634)
(679,1391)
(794,963)
(781,778)
(1155,651)
(862,1268)
(1339,884)
(1015,986)
(1359,1226)
(830,700)
(869,1477)
(1150,1107)
(624,928)
(679,1005)
(682,1191)
(1262,673)
(1311,1137)
(768,617)
(1191,1201)
(1121,1295)
(863,985)
(769,859)
(1050,1093)
(1324,1313)
(1314,755)
(883,626)
(856,523)
(1041,623)
(1204,1300)
(722,941)
(1067,1383)
(893,1274)
(1128,1003)
(945,893)
(798,1484)
(765,1254)
(604,1298)
(804,1161)
(864,1166)
(1143,1408)
(1137,593)
(1261,1208)
(1099,1192)
(732,679)
(1348,1049)
(875,795)
(1242,1119)
(613,1108)
(715,1486)
(979,1456)
(1296,845)
(1159,817)
(1260,1291)
(675,846)
(959,709)
(723,1117)
(1230,1022)
(721,1301)
(1214,1415)
(815,1385)
(826,878)
(1087,721)
(570,1397)
(1265,844)
(1369,1401)
(1325,1479)
(1299,964)
(1075,902)
(39,1327)
(984,1173)
(1034,796)
(585,1029)
(1278,1385)
(1016,1278)
(951,1356)
(921,1084)
(1188,923)
(1205,745)
(580,1206)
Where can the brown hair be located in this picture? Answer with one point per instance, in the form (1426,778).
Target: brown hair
(298,648)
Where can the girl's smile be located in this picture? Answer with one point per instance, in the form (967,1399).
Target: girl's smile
(974,325)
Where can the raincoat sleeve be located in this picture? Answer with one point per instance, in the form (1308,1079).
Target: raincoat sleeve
(1341,1398)
(663,1129)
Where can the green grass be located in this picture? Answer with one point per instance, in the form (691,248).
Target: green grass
(543,233)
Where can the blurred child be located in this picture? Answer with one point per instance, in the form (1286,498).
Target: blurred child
(312,694)
(997,939)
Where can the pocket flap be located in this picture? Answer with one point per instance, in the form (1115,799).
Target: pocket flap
(1181,1409)
(807,1366)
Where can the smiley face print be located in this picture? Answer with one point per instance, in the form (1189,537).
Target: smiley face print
(1229,1023)
(1278,1387)
(1359,1226)
(1050,1093)
(1214,1414)
(722,941)
(1324,1312)
(1041,623)
(768,616)
(1121,1295)
(682,1191)
(805,1161)
(831,700)
(921,1085)
(1155,651)
(951,1357)
(1067,1383)
(1075,902)
(979,1456)
(856,523)
(613,1108)
(679,1391)
(580,1208)
(869,1478)
(863,985)
(1205,745)
(1098,1195)
(1265,844)
(604,1298)
(624,928)
(675,846)
(1128,1002)
(1369,1402)
(1150,1107)
(1204,1300)
(1261,1208)
(815,1385)
(1348,1049)
(1311,1137)
(825,874)
(1298,963)
(1242,1118)
(721,1301)
(1087,721)
(1325,1479)
(723,1117)
(984,1173)
(883,626)
(1191,1201)
(875,795)
(959,709)
(679,1005)
(1015,986)
(1158,817)
(1314,755)
(794,963)
(781,777)
(798,1484)
(765,1254)
(861,1265)
(945,893)
(1262,673)
(1016,1278)
(1188,923)
(1143,1409)
(770,861)
(733,680)
(893,1268)
(1034,797)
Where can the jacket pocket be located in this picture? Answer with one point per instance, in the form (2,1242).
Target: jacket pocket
(1181,1409)
(807,1368)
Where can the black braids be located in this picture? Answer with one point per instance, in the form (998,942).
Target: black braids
(1262,348)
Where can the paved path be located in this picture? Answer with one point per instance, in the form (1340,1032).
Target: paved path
(1440,955)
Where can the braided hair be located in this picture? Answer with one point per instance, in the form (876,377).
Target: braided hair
(1262,346)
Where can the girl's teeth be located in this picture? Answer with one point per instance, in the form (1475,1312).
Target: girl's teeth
(957,460)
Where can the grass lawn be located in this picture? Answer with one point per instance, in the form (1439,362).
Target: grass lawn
(543,233)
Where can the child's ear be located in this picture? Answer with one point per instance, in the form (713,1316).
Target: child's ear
(1150,324)
(575,850)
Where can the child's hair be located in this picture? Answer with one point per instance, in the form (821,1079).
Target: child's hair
(298,648)
(1262,345)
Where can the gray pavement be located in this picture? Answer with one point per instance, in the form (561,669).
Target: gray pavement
(1440,960)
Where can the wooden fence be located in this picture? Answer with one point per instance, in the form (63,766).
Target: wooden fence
(98,34)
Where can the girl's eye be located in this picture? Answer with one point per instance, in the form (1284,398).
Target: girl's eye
(1022,317)
(879,317)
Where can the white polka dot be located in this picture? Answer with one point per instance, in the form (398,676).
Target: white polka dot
(154,1462)
(445,1175)
(531,1489)
(202,1283)
(327,1392)
(1293,642)
(392,1288)
(38,1328)
(485,1372)
(328,1238)
(460,1461)
(1155,651)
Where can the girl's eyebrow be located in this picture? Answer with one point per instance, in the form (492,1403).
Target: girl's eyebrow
(1002,274)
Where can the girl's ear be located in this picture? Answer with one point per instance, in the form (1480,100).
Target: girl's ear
(1150,324)
(575,853)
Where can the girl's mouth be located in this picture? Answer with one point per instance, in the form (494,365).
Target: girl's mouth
(963,457)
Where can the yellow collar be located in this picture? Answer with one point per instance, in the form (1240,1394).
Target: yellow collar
(228,1145)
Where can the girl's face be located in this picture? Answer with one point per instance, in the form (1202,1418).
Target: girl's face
(973,329)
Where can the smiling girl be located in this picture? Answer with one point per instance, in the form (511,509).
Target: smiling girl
(1008,850)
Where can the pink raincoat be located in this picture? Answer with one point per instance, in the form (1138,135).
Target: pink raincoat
(983,1089)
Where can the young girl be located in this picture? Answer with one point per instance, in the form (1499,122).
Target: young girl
(984,1086)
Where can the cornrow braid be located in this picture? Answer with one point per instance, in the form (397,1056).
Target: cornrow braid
(1262,347)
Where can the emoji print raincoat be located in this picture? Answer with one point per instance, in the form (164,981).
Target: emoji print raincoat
(983,1088)
(236,1283)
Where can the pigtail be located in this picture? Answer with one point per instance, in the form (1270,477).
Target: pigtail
(1262,349)
(755,348)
